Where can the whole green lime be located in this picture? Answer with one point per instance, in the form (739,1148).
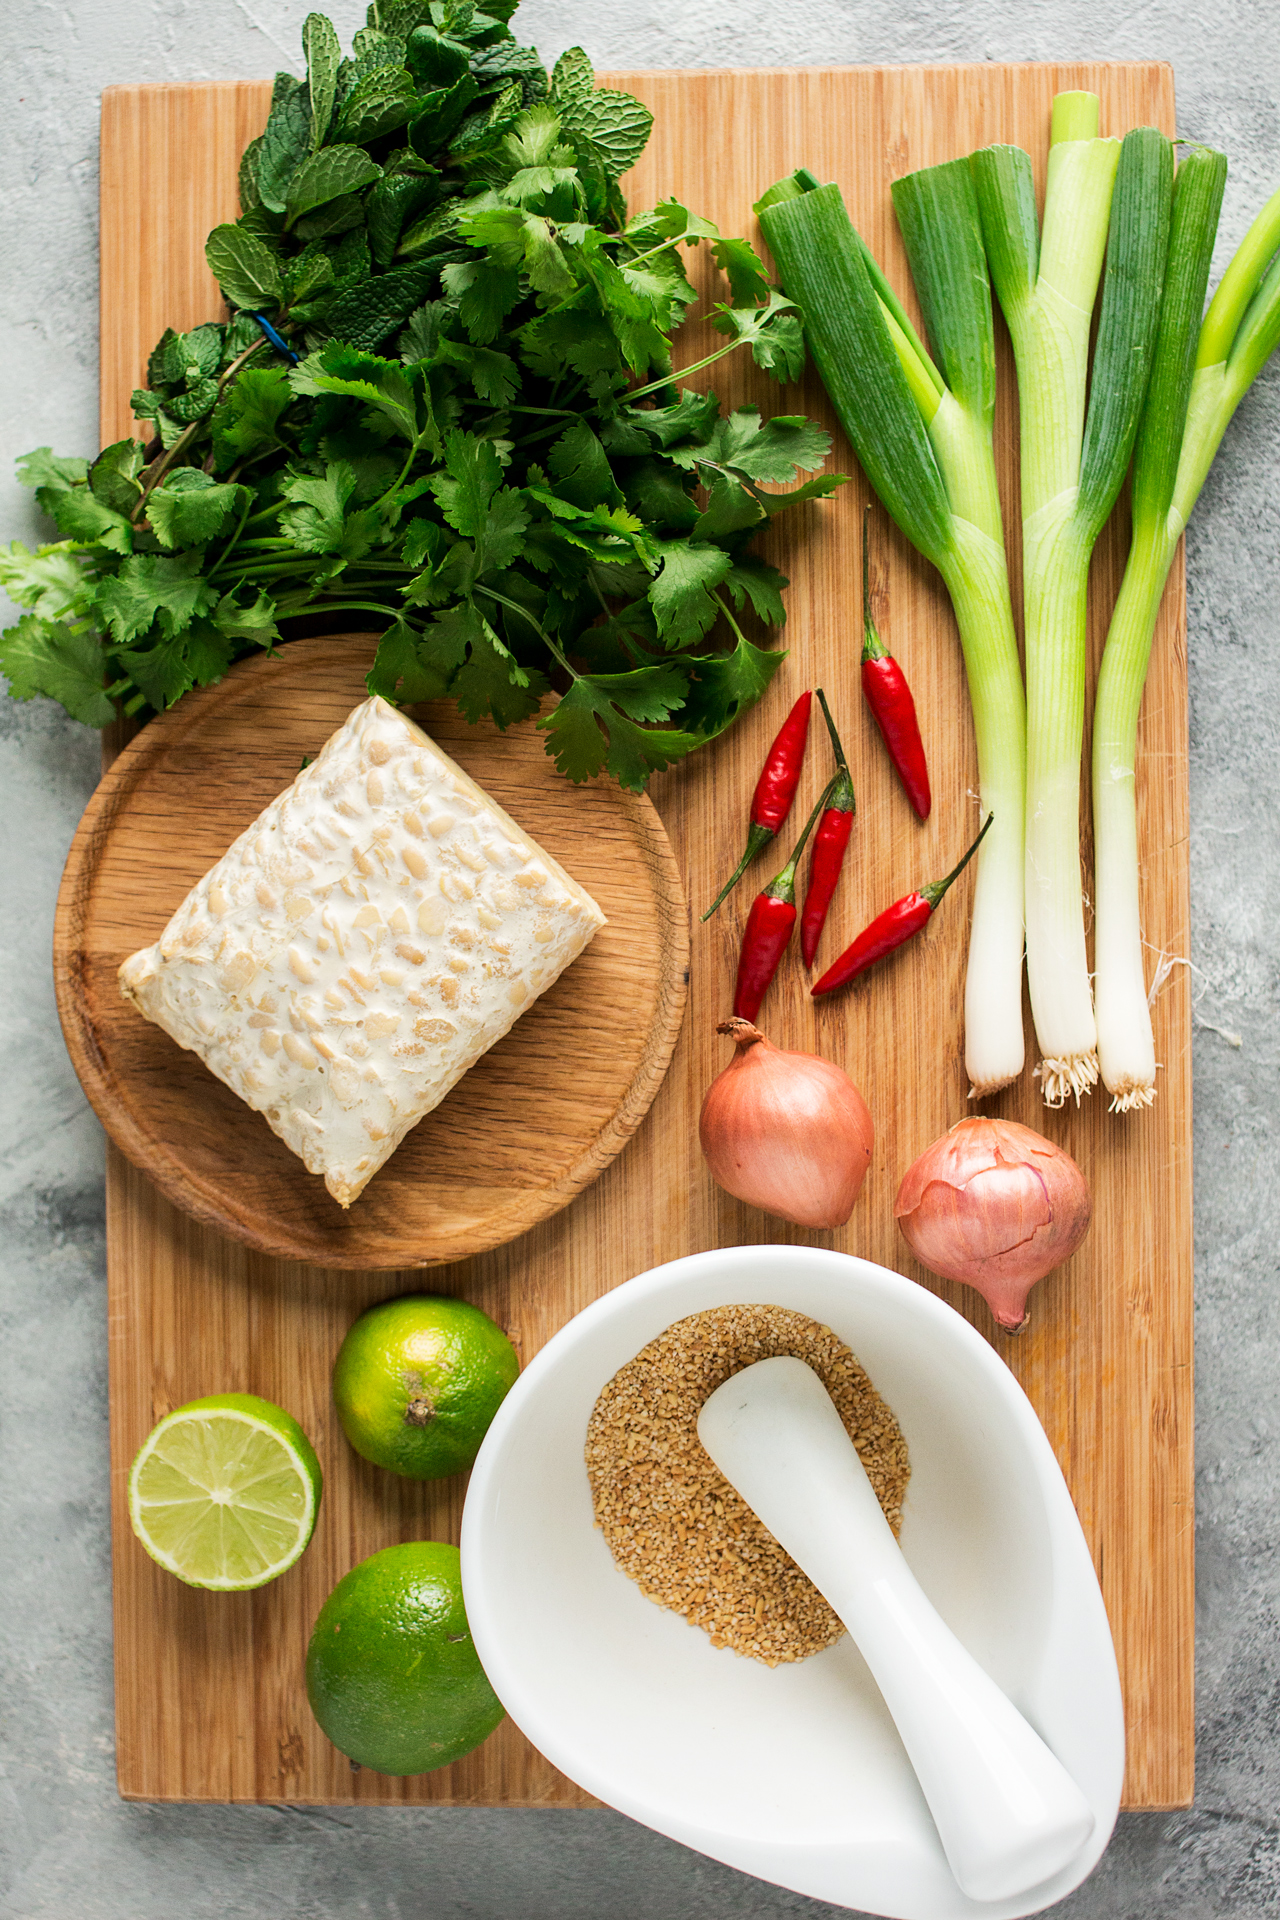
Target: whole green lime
(392,1675)
(418,1380)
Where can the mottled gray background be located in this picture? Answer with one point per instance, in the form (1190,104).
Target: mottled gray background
(68,1846)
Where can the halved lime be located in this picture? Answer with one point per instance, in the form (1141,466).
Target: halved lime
(224,1492)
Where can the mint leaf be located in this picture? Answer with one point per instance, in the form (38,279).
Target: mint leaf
(381,102)
(43,656)
(681,596)
(150,588)
(323,56)
(326,175)
(246,269)
(190,508)
(247,421)
(363,314)
(113,477)
(573,79)
(286,140)
(615,127)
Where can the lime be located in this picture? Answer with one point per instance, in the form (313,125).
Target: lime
(392,1675)
(224,1492)
(417,1381)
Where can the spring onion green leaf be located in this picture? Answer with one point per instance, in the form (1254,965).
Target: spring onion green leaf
(922,432)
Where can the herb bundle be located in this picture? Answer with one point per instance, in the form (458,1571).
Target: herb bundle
(444,403)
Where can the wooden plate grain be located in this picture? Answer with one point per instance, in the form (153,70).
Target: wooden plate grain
(533,1121)
(209,1696)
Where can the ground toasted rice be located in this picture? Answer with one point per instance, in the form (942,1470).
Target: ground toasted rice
(672,1521)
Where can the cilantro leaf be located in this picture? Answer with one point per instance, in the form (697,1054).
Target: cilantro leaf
(247,421)
(725,684)
(198,656)
(113,477)
(472,477)
(399,673)
(317,518)
(78,516)
(190,508)
(682,594)
(581,466)
(594,726)
(151,588)
(751,579)
(491,683)
(485,295)
(747,277)
(45,468)
(384,384)
(255,624)
(730,509)
(773,332)
(768,449)
(50,580)
(43,656)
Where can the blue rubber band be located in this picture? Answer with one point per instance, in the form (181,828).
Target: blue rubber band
(280,345)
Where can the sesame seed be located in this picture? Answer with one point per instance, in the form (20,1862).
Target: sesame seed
(674,1524)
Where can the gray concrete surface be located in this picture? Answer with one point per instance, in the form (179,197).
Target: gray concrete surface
(68,1847)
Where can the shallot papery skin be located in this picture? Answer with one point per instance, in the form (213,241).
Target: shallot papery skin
(787,1132)
(997,1206)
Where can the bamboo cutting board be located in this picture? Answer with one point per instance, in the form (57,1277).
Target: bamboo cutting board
(210,1698)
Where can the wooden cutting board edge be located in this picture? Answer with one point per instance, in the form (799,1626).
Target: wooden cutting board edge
(1161,1770)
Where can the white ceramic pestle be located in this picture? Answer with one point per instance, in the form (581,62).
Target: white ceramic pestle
(1007,1812)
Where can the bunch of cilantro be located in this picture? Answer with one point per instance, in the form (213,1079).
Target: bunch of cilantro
(443,404)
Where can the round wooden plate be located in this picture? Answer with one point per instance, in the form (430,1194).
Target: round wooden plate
(526,1129)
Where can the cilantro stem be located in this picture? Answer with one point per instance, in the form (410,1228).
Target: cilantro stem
(515,607)
(682,373)
(723,605)
(244,515)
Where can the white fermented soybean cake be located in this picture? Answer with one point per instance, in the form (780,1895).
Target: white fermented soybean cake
(359,947)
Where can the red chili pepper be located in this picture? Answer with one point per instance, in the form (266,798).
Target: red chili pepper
(829,845)
(896,924)
(889,697)
(775,790)
(768,928)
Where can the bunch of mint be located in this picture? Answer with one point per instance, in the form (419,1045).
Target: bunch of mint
(443,409)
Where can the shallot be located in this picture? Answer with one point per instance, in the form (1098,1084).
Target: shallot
(787,1132)
(997,1206)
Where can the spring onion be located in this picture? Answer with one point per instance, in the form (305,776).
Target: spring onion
(922,431)
(1102,195)
(1187,412)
